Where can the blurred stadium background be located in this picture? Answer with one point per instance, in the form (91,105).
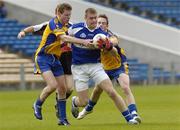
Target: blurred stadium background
(149,32)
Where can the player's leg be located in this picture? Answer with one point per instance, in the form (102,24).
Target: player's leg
(69,89)
(107,86)
(95,95)
(103,81)
(51,87)
(42,65)
(129,97)
(69,84)
(65,60)
(61,89)
(81,79)
(80,100)
(61,101)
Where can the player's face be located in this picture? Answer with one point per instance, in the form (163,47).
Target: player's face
(102,23)
(65,16)
(91,20)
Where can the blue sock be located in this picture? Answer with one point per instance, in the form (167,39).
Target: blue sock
(90,105)
(132,107)
(62,109)
(39,102)
(127,115)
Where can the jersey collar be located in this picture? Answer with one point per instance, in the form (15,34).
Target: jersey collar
(91,30)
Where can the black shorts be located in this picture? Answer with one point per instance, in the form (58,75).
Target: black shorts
(66,61)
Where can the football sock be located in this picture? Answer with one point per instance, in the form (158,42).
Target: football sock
(90,105)
(62,109)
(39,102)
(127,115)
(132,108)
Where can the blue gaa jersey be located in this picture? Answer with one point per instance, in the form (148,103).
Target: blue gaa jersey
(82,54)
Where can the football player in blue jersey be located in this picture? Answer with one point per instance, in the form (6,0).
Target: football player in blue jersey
(115,65)
(86,65)
(47,60)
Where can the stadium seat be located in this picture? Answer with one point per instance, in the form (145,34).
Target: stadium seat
(27,46)
(164,11)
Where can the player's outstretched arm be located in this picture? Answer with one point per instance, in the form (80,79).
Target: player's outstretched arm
(23,32)
(32,29)
(70,39)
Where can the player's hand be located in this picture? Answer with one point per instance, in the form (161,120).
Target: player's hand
(108,44)
(21,35)
(101,43)
(87,42)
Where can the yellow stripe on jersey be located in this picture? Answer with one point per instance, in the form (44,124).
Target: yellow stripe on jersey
(60,31)
(123,51)
(126,68)
(49,43)
(37,71)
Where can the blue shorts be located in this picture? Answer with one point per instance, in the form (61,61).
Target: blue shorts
(114,74)
(48,62)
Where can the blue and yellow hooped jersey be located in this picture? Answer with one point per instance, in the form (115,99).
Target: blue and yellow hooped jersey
(113,60)
(49,43)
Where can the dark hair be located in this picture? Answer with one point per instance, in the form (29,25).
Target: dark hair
(105,17)
(61,7)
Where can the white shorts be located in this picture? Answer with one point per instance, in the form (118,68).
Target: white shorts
(82,74)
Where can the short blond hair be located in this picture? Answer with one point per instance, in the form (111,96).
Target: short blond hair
(90,11)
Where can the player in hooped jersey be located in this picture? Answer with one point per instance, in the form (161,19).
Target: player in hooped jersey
(86,65)
(115,65)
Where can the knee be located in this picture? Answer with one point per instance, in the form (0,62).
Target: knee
(53,85)
(126,89)
(125,86)
(61,89)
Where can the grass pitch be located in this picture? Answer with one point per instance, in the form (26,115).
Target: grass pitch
(159,107)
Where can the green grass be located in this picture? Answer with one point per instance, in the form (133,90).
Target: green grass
(159,107)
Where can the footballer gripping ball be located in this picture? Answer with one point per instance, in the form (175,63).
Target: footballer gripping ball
(96,39)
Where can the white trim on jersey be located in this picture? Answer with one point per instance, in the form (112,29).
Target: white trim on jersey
(73,31)
(39,26)
(91,30)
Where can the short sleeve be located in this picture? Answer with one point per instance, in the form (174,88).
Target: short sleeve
(39,26)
